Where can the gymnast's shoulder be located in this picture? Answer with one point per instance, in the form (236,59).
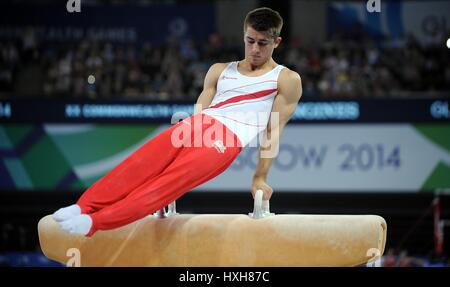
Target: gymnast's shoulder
(289,82)
(217,68)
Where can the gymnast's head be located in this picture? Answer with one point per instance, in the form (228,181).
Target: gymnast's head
(262,28)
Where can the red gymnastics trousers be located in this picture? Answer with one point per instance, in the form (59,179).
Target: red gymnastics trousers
(177,160)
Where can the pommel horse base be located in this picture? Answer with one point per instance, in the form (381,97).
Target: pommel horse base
(258,239)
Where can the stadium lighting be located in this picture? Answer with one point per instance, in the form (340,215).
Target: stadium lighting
(91,79)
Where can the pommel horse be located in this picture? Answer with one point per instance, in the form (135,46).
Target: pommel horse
(259,239)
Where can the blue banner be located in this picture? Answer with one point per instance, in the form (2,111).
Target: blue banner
(427,21)
(116,24)
(324,111)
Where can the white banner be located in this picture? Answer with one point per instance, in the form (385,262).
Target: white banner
(353,157)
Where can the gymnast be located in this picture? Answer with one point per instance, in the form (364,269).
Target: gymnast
(241,101)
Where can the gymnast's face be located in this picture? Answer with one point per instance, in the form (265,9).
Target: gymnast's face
(259,46)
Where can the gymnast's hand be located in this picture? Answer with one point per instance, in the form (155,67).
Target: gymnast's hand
(260,183)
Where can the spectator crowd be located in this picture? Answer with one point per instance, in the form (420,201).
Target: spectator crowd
(339,67)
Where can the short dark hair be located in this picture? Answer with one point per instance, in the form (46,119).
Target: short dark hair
(264,20)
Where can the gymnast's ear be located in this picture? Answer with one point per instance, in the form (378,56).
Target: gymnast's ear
(277,41)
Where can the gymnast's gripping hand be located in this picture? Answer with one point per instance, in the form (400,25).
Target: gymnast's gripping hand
(260,183)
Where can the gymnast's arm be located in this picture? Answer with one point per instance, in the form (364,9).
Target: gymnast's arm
(285,103)
(209,87)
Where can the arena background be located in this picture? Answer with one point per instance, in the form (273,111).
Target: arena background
(80,91)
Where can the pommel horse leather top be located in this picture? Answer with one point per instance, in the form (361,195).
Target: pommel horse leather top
(261,239)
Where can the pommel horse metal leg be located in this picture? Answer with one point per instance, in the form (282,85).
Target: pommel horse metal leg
(171,211)
(261,207)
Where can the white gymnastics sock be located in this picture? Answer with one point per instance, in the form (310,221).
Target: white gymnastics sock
(79,224)
(67,212)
